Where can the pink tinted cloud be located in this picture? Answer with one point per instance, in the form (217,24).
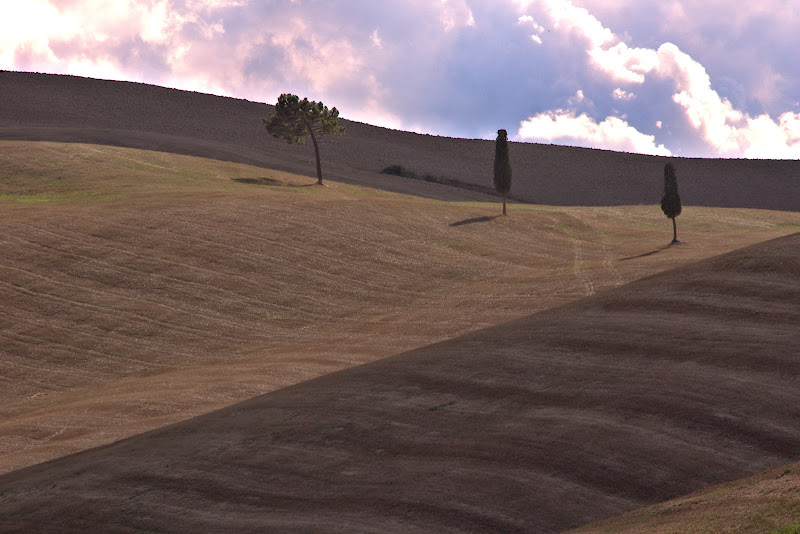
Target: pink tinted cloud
(566,127)
(729,131)
(419,65)
(123,40)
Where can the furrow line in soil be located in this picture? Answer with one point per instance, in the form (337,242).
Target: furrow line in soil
(66,348)
(135,343)
(128,252)
(374,225)
(202,332)
(323,275)
(217,318)
(204,288)
(314,251)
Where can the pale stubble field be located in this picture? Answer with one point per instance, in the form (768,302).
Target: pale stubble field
(141,288)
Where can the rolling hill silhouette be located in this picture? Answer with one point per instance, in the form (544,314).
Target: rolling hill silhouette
(68,108)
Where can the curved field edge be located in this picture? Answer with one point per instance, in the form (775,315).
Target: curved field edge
(765,503)
(69,108)
(603,405)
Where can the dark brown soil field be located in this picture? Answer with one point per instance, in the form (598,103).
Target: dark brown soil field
(612,402)
(67,108)
(141,288)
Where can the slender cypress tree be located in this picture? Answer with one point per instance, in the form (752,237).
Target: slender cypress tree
(295,120)
(671,201)
(502,166)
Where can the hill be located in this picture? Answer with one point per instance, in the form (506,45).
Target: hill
(767,502)
(73,109)
(648,391)
(142,288)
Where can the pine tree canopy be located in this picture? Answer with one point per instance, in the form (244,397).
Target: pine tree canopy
(294,119)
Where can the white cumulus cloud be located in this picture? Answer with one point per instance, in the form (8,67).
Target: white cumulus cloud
(729,131)
(565,127)
(537,29)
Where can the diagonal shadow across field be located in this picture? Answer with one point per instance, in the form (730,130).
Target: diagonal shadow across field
(627,398)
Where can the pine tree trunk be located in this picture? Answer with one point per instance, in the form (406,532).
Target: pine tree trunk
(316,153)
(504,203)
(674,231)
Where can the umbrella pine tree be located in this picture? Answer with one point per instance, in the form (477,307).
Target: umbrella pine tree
(295,120)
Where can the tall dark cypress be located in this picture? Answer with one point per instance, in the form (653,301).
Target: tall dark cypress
(502,166)
(671,201)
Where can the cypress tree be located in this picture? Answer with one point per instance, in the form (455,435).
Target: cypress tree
(502,166)
(671,200)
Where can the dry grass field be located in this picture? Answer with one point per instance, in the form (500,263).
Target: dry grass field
(645,392)
(768,502)
(140,288)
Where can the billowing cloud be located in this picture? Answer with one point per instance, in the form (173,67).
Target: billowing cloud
(538,30)
(728,131)
(695,76)
(606,51)
(108,39)
(564,127)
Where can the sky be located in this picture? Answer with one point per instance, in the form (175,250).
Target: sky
(692,78)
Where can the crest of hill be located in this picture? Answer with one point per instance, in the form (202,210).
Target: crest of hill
(766,502)
(68,108)
(657,388)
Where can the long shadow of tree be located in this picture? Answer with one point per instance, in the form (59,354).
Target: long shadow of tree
(656,251)
(268,182)
(485,218)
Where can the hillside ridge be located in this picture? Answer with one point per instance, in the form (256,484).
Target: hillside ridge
(68,108)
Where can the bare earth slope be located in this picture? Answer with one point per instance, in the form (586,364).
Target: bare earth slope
(67,108)
(626,398)
(141,288)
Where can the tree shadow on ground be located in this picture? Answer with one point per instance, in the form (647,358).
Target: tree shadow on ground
(656,251)
(485,218)
(269,182)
